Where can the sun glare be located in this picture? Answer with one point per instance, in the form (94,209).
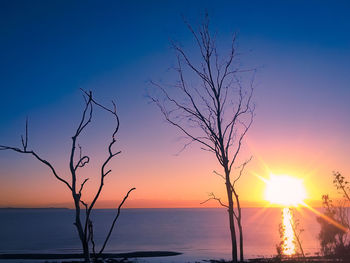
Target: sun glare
(285,190)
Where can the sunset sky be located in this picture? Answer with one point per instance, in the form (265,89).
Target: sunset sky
(51,49)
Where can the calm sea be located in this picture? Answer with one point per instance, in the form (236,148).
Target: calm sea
(197,233)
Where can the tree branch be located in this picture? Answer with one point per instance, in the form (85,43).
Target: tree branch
(241,170)
(213,197)
(115,219)
(82,186)
(3,147)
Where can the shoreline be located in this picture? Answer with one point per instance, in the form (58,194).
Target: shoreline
(135,254)
(124,257)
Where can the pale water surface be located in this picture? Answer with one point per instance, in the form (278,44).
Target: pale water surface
(197,233)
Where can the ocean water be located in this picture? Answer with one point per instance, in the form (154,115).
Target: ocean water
(200,233)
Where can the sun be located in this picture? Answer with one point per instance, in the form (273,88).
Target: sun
(285,190)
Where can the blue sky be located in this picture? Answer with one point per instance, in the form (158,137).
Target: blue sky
(59,46)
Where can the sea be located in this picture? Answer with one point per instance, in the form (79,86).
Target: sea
(197,233)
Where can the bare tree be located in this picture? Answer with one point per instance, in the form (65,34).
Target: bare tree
(77,160)
(216,111)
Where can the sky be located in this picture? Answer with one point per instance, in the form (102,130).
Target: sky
(51,49)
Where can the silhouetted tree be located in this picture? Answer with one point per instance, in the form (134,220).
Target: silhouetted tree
(334,233)
(77,160)
(215,112)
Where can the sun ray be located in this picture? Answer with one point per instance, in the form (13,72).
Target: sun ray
(260,177)
(328,219)
(259,213)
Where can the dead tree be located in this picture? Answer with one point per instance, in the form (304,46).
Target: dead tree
(77,160)
(211,105)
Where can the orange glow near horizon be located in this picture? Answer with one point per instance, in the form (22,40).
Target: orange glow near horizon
(154,190)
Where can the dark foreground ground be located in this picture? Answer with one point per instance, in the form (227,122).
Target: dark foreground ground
(123,256)
(290,260)
(130,258)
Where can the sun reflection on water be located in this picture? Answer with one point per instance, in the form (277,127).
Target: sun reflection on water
(288,244)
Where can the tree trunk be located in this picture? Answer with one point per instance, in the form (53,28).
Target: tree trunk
(83,240)
(240,241)
(231,219)
(86,251)
(80,230)
(239,223)
(233,234)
